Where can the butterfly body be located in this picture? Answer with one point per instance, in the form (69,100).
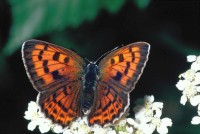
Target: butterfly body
(70,88)
(90,80)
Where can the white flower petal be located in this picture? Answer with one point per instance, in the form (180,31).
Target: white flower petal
(199,107)
(195,100)
(158,113)
(183,99)
(57,129)
(33,106)
(130,121)
(195,66)
(32,125)
(162,129)
(190,74)
(183,84)
(197,76)
(166,121)
(67,131)
(198,59)
(98,129)
(111,132)
(191,58)
(138,108)
(44,128)
(157,105)
(195,120)
(149,98)
(148,128)
(28,115)
(198,88)
(129,129)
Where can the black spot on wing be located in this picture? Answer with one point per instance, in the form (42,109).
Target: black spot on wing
(118,76)
(112,61)
(56,75)
(41,52)
(133,57)
(56,56)
(39,57)
(66,60)
(127,67)
(46,70)
(121,58)
(45,46)
(45,62)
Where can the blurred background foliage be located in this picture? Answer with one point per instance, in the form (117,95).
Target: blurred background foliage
(91,28)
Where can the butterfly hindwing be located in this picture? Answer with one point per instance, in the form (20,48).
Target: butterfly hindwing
(63,105)
(109,104)
(119,72)
(56,73)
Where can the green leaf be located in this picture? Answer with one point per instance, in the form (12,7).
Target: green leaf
(142,4)
(33,18)
(113,5)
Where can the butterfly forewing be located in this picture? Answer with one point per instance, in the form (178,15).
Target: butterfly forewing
(48,64)
(56,73)
(124,66)
(119,72)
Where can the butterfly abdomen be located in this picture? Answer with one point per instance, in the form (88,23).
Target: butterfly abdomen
(90,80)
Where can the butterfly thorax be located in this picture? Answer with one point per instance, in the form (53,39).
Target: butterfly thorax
(90,80)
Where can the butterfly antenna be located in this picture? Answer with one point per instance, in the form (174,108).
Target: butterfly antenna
(105,54)
(87,60)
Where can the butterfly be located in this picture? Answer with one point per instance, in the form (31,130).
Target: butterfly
(70,86)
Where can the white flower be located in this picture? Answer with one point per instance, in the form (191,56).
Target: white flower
(182,84)
(195,66)
(163,124)
(67,131)
(112,132)
(189,84)
(188,88)
(130,121)
(57,129)
(98,130)
(32,125)
(189,74)
(195,100)
(198,110)
(191,58)
(45,127)
(32,112)
(195,120)
(148,117)
(129,129)
(183,99)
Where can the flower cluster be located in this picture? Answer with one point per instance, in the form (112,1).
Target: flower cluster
(146,121)
(147,117)
(189,84)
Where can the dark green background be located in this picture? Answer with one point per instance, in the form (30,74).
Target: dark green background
(92,28)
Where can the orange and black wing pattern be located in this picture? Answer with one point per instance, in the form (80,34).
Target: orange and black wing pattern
(56,74)
(119,72)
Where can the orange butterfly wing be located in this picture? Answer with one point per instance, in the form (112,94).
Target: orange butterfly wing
(119,72)
(56,73)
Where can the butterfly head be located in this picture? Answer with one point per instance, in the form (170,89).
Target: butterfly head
(92,67)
